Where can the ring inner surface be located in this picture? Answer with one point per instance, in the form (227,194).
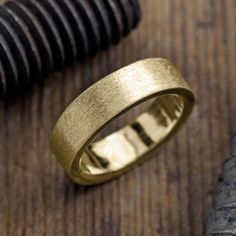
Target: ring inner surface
(128,144)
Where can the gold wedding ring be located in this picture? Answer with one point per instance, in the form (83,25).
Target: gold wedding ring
(88,161)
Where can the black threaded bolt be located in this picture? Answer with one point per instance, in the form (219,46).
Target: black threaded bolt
(38,37)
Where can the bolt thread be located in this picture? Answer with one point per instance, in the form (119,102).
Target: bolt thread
(39,37)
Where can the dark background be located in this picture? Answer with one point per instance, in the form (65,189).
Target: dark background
(169,195)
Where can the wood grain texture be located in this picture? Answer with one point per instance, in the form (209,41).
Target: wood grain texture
(169,195)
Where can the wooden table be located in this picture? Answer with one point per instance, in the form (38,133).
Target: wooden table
(169,195)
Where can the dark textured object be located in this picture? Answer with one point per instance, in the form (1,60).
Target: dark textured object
(39,37)
(222,220)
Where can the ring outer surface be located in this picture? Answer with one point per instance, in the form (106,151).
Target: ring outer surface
(109,98)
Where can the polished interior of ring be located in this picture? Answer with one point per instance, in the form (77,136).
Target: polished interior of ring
(126,145)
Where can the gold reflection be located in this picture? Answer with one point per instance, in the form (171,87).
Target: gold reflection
(131,142)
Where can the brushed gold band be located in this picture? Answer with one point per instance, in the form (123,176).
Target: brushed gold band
(88,162)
